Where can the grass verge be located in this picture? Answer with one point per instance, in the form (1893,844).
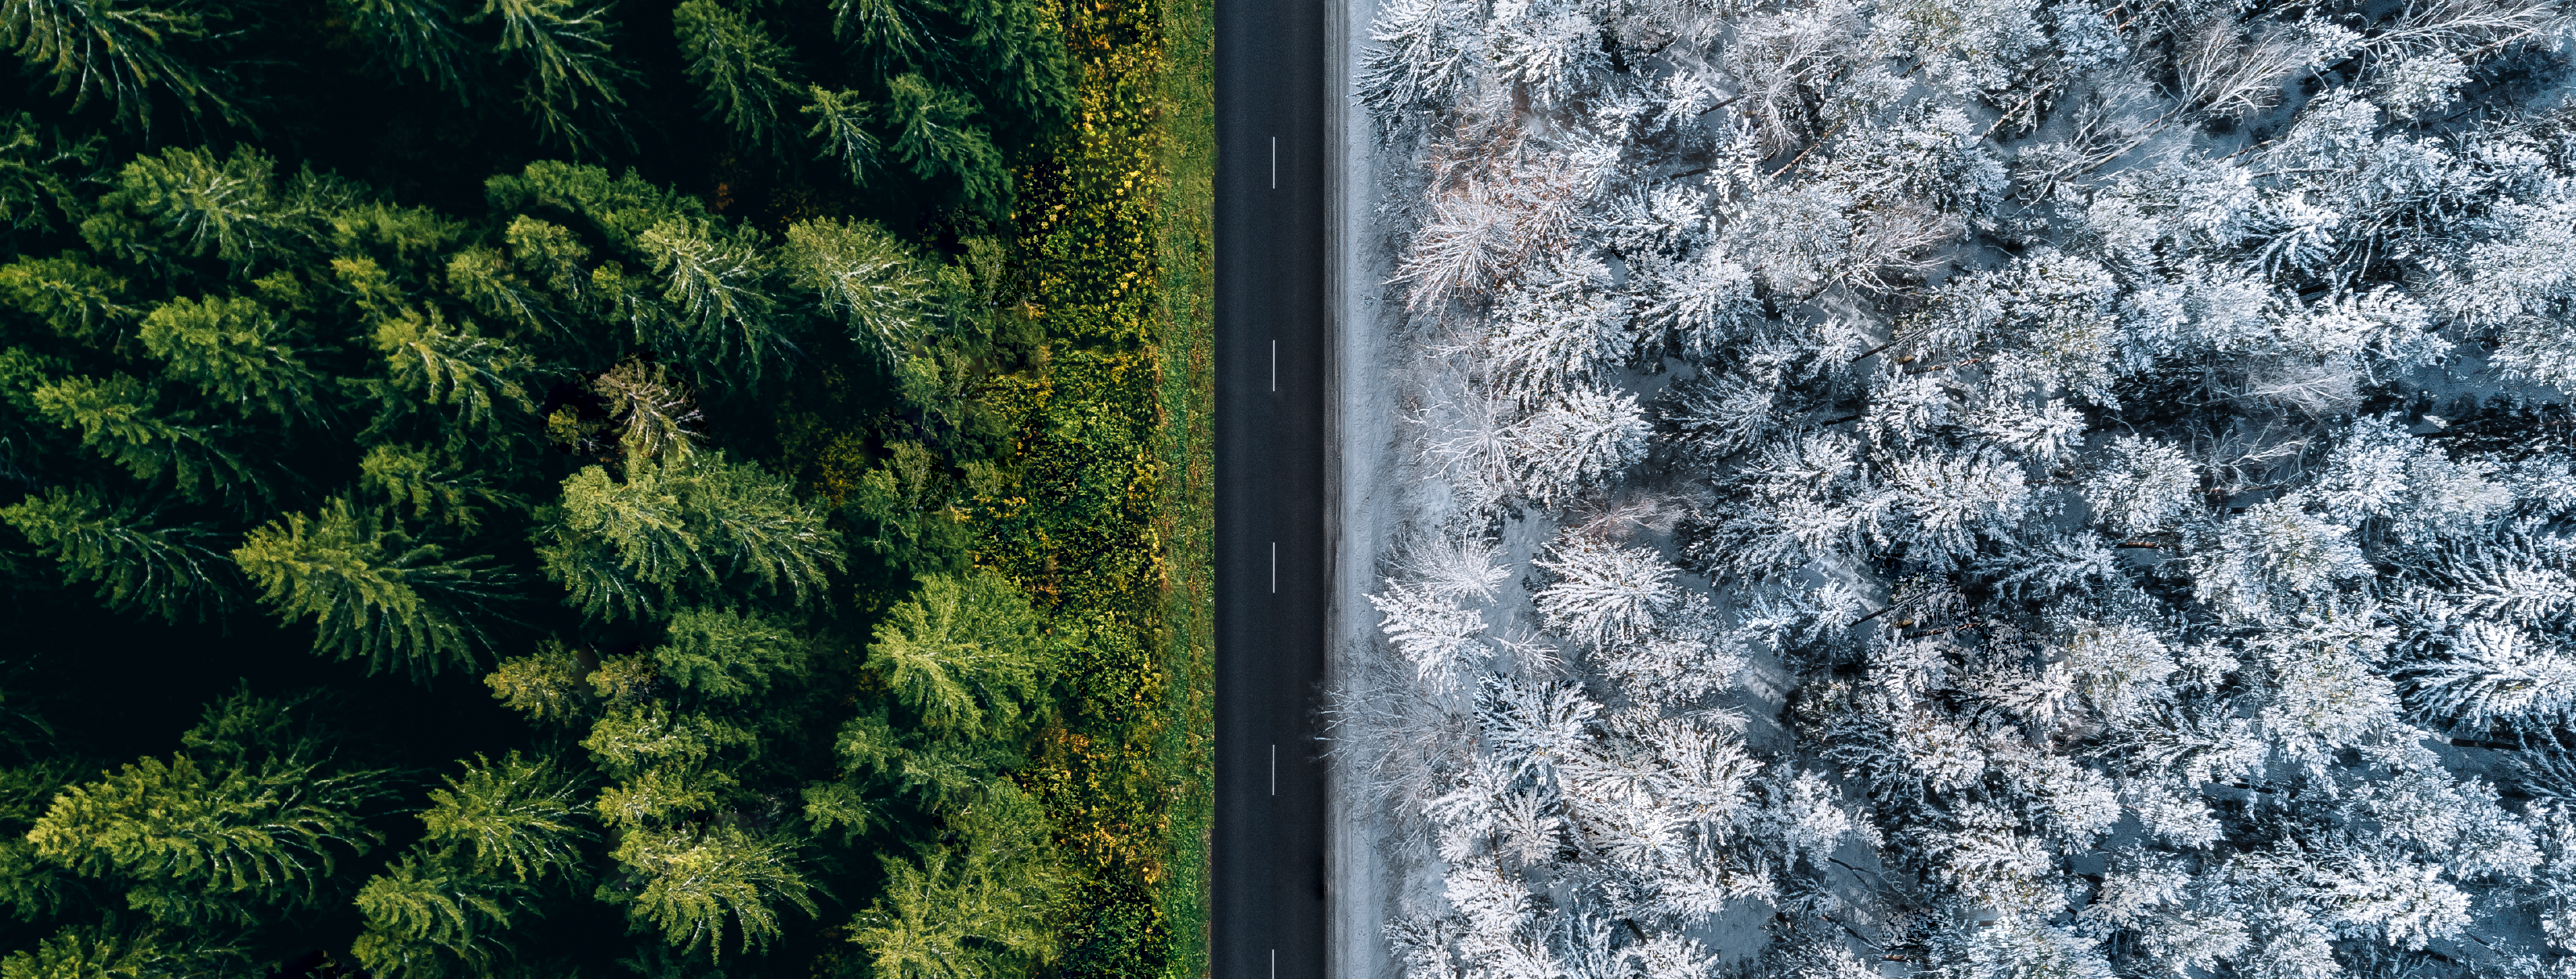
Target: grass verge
(1111,522)
(1184,249)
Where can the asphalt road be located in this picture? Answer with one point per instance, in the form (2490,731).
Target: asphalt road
(1272,345)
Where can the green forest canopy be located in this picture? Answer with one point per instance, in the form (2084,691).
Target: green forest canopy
(406,390)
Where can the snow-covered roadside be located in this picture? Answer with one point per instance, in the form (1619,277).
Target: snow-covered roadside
(1362,447)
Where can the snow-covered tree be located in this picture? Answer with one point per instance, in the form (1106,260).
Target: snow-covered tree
(2118,442)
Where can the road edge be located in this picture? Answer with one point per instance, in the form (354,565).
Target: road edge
(1356,893)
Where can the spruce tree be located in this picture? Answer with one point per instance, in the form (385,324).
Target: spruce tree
(745,77)
(699,525)
(122,54)
(140,565)
(373,591)
(697,886)
(71,295)
(248,825)
(237,352)
(865,279)
(967,653)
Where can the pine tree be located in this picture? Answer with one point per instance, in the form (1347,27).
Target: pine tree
(548,685)
(1604,593)
(1422,58)
(423,918)
(571,86)
(640,737)
(39,167)
(1583,439)
(483,277)
(200,204)
(959,916)
(652,410)
(414,36)
(841,121)
(100,953)
(664,796)
(120,53)
(715,286)
(118,421)
(726,656)
(1431,630)
(431,486)
(74,297)
(934,135)
(431,363)
(891,26)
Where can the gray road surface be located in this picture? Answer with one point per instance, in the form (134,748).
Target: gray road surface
(1272,347)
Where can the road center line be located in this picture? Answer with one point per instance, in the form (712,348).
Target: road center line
(1274,163)
(1274,771)
(1274,366)
(1274,567)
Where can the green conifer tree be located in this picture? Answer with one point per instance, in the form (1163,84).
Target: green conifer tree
(31,887)
(966,915)
(716,287)
(119,52)
(841,121)
(118,421)
(724,656)
(483,277)
(550,254)
(866,280)
(426,918)
(41,170)
(697,885)
(890,26)
(548,685)
(373,592)
(432,486)
(934,135)
(518,815)
(250,823)
(76,298)
(416,37)
(430,362)
(140,567)
(199,204)
(625,548)
(967,653)
(236,351)
(92,952)
(744,76)
(571,85)
(654,415)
